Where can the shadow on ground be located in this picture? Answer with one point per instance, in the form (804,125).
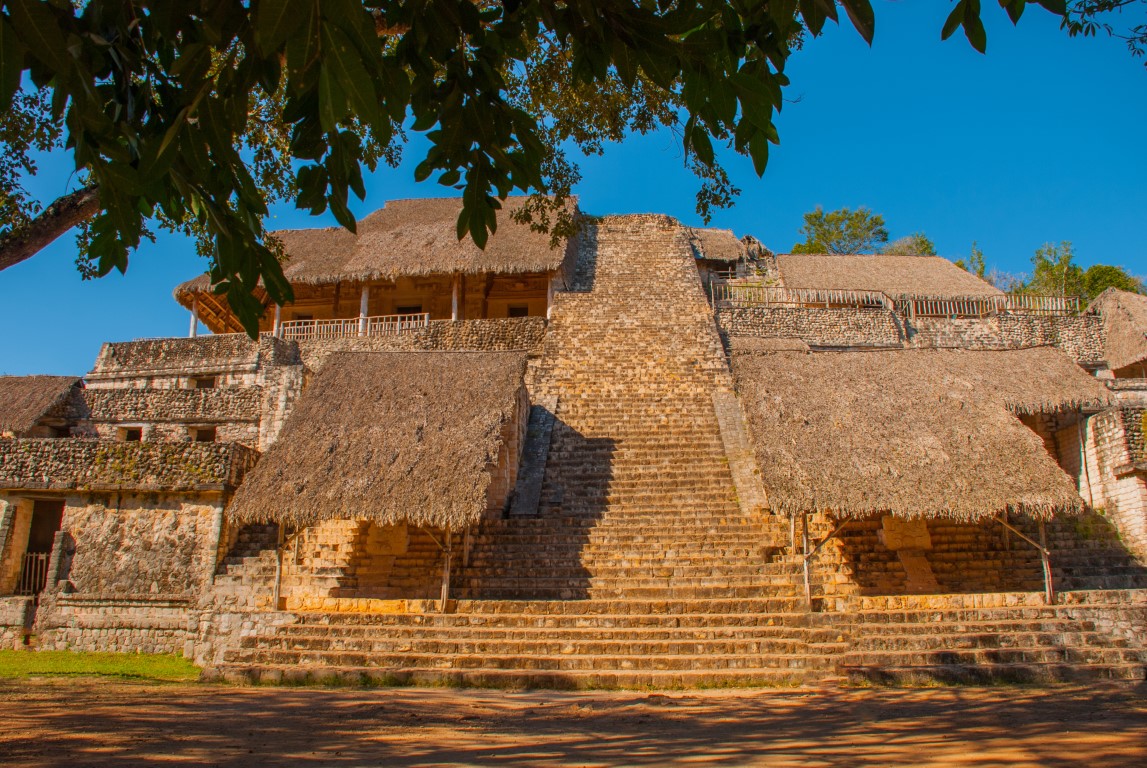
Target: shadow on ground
(100,723)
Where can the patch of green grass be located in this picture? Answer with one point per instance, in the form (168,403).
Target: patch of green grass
(124,666)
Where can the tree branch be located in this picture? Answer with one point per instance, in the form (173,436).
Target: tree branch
(65,213)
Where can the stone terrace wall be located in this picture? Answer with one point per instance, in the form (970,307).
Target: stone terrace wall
(108,465)
(175,405)
(519,333)
(226,352)
(1135,425)
(115,624)
(815,326)
(13,613)
(136,545)
(1081,337)
(1113,437)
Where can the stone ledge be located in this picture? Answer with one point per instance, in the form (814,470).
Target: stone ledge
(107,465)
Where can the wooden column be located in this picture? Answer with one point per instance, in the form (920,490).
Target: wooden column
(278,328)
(550,297)
(454,297)
(194,330)
(447,551)
(363,308)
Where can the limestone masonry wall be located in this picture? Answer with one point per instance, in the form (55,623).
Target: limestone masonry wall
(1111,439)
(120,625)
(175,405)
(1080,337)
(135,545)
(103,464)
(519,333)
(227,352)
(828,327)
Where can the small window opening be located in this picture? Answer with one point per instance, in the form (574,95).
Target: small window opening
(203,382)
(412,309)
(518,310)
(302,316)
(203,434)
(131,434)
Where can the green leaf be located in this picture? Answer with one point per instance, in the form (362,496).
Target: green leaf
(1015,9)
(40,31)
(861,15)
(275,20)
(974,27)
(953,22)
(332,100)
(344,62)
(11,63)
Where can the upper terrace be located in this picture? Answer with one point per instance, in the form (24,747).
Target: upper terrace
(404,268)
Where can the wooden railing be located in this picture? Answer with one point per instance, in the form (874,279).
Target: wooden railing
(985,306)
(768,295)
(380,325)
(726,294)
(33,574)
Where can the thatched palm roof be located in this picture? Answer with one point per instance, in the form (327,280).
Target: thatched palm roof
(894,275)
(1125,322)
(716,245)
(389,437)
(407,238)
(913,433)
(24,400)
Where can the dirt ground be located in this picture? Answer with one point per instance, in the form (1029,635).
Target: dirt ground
(94,722)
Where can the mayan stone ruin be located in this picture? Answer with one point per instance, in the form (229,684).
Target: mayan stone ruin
(651,455)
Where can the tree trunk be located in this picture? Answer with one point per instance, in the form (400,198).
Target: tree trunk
(65,213)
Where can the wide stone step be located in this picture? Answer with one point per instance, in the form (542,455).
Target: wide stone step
(990,674)
(525,662)
(509,678)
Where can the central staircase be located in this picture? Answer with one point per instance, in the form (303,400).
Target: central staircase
(643,565)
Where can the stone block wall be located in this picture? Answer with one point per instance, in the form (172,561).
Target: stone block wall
(1110,440)
(504,473)
(115,624)
(828,327)
(101,464)
(511,334)
(140,544)
(1081,338)
(15,615)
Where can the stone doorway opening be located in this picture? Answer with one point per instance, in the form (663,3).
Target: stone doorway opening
(47,517)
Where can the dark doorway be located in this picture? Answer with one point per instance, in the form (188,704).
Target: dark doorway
(47,517)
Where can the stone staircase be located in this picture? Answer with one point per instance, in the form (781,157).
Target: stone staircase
(638,565)
(995,638)
(637,501)
(552,644)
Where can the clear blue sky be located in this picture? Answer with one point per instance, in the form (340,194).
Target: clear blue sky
(1040,140)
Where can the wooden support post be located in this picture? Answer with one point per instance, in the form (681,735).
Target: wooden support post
(1045,560)
(1083,458)
(454,291)
(278,569)
(447,552)
(363,308)
(278,328)
(550,297)
(805,561)
(194,330)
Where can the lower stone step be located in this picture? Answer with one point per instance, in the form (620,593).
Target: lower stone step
(989,674)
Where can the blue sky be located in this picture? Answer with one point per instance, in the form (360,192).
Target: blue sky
(1040,140)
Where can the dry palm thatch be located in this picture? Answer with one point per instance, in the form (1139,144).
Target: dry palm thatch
(895,276)
(407,238)
(913,433)
(1125,323)
(388,437)
(24,400)
(716,245)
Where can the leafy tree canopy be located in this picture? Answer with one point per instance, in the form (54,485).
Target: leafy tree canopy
(197,114)
(916,244)
(1055,273)
(843,231)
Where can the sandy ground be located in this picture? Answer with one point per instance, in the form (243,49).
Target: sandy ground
(93,722)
